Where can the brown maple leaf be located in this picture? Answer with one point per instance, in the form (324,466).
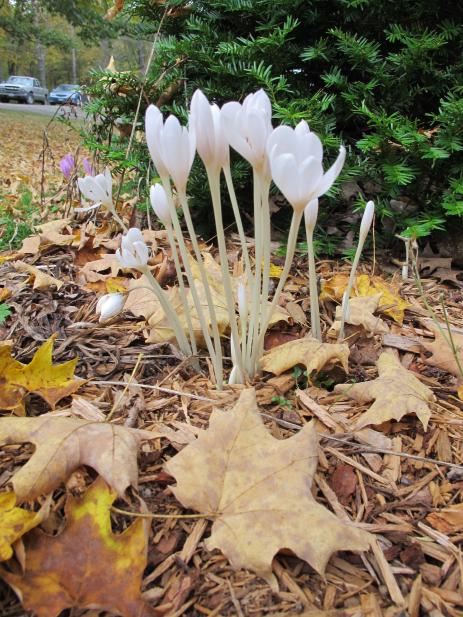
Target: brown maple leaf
(257,489)
(396,393)
(87,565)
(442,353)
(63,444)
(308,351)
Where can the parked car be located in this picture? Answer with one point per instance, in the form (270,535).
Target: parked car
(66,93)
(23,89)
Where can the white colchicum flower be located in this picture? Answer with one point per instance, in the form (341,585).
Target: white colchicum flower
(295,157)
(172,147)
(98,189)
(206,121)
(248,126)
(110,305)
(133,252)
(160,204)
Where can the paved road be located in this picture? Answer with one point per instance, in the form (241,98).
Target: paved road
(37,108)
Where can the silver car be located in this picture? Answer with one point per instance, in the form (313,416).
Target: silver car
(23,89)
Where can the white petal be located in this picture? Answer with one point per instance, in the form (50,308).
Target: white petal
(91,189)
(153,129)
(286,176)
(141,253)
(333,172)
(88,208)
(133,235)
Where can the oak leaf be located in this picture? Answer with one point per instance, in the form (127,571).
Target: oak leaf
(258,492)
(396,393)
(308,351)
(442,354)
(51,382)
(390,302)
(360,313)
(86,565)
(63,444)
(15,522)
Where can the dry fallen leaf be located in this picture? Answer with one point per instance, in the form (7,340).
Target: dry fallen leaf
(86,565)
(63,444)
(41,376)
(141,301)
(390,303)
(396,392)
(442,353)
(308,351)
(42,280)
(257,489)
(360,313)
(49,235)
(15,522)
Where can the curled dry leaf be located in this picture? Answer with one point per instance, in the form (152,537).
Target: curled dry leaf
(40,376)
(86,565)
(390,302)
(15,522)
(360,313)
(258,492)
(443,355)
(63,444)
(308,351)
(396,393)
(42,280)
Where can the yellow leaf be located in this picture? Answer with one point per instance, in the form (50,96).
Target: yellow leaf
(86,565)
(258,492)
(275,271)
(390,303)
(116,284)
(51,382)
(396,392)
(308,351)
(15,522)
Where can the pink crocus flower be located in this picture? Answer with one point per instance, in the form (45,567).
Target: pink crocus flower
(88,167)
(67,165)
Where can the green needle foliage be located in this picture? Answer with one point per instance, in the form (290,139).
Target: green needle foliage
(385,78)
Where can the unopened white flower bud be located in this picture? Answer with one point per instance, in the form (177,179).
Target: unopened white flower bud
(110,305)
(367,219)
(160,203)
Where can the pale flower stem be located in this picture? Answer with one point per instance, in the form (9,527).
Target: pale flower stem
(239,222)
(169,311)
(266,238)
(290,250)
(214,185)
(186,264)
(254,316)
(350,284)
(182,291)
(314,308)
(205,282)
(118,219)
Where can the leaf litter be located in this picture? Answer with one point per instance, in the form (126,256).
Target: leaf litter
(403,486)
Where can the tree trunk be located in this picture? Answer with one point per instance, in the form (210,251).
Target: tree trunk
(39,48)
(141,55)
(73,66)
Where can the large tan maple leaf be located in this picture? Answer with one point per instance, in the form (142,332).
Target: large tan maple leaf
(396,392)
(63,444)
(257,489)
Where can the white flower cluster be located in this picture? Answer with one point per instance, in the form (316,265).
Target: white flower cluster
(291,157)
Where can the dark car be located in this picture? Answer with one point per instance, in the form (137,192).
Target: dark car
(23,89)
(69,94)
